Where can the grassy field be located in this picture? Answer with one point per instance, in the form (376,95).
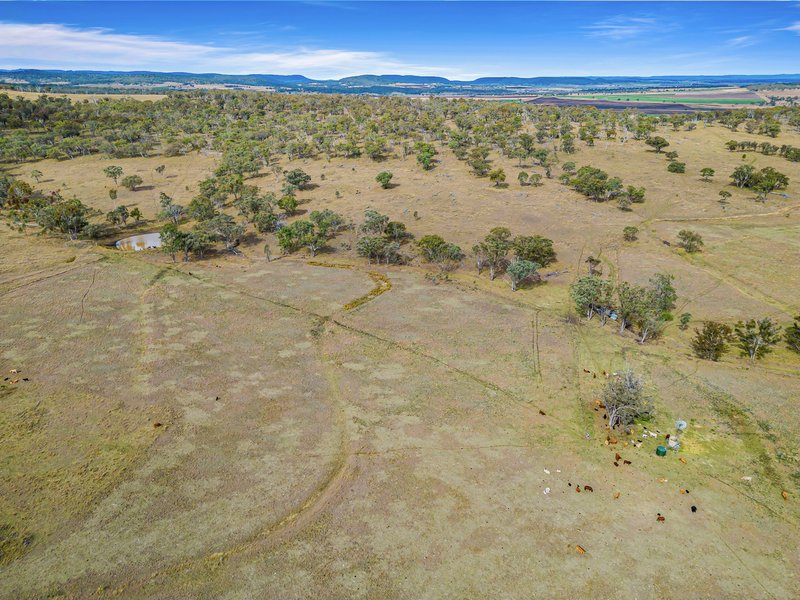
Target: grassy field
(237,428)
(670,98)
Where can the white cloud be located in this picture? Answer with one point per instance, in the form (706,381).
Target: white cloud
(793,27)
(622,27)
(743,41)
(56,46)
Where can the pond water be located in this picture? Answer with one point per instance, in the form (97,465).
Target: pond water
(140,242)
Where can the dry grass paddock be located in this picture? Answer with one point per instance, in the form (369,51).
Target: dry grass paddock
(237,428)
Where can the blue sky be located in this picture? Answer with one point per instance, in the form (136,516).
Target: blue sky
(326,39)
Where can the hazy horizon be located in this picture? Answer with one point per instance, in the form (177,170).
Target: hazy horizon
(455,40)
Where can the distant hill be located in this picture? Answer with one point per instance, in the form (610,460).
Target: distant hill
(391,79)
(149,81)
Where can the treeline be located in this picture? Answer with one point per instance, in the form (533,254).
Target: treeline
(321,125)
(786,151)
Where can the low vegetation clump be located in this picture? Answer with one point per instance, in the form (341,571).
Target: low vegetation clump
(626,400)
(711,341)
(691,241)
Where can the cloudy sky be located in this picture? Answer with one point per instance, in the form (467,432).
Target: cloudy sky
(459,40)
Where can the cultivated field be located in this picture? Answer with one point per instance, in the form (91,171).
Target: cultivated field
(229,428)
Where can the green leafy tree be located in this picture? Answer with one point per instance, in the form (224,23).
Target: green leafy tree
(224,228)
(136,215)
(131,182)
(590,293)
(371,247)
(198,242)
(676,167)
(523,178)
(495,247)
(498,177)
(298,178)
(626,400)
(113,172)
(63,216)
(425,154)
(711,342)
(691,241)
(201,208)
(684,320)
(755,339)
(724,198)
(288,204)
(172,240)
(36,174)
(792,335)
(374,222)
(707,173)
(478,161)
(635,194)
(743,175)
(534,248)
(118,215)
(384,178)
(396,231)
(657,142)
(445,255)
(327,221)
(519,271)
(596,184)
(630,233)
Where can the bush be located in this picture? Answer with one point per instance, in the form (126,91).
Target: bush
(676,167)
(689,240)
(792,335)
(625,400)
(629,234)
(384,178)
(711,342)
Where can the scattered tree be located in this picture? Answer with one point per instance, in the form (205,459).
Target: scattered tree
(690,241)
(792,335)
(445,255)
(626,400)
(711,342)
(755,339)
(707,173)
(113,172)
(498,177)
(131,182)
(535,249)
(630,233)
(657,142)
(384,178)
(118,215)
(519,270)
(298,178)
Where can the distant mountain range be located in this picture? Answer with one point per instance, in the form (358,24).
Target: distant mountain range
(148,81)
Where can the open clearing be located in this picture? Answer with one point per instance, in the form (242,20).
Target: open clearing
(226,428)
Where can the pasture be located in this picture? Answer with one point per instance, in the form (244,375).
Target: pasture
(234,427)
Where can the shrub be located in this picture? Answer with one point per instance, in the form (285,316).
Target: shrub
(711,342)
(630,233)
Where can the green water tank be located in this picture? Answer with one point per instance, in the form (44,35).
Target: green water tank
(661,451)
